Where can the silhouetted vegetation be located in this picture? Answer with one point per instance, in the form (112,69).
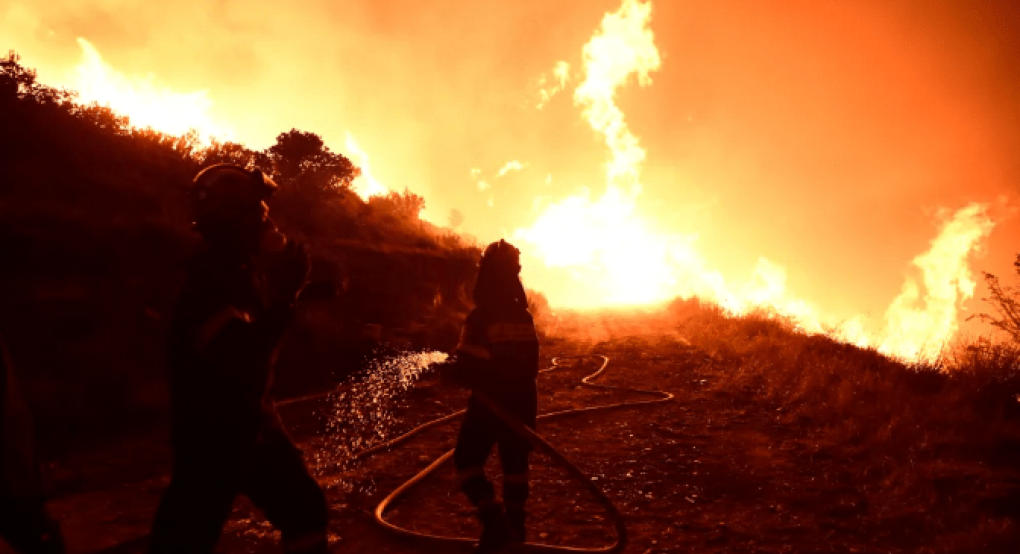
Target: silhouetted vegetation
(936,445)
(863,449)
(1005,302)
(94,228)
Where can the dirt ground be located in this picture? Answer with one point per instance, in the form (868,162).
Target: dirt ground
(713,470)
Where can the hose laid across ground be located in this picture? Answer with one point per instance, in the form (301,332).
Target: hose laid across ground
(535,440)
(516,425)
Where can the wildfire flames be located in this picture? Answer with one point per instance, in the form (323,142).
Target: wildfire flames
(366,184)
(602,244)
(146,103)
(616,257)
(142,99)
(916,324)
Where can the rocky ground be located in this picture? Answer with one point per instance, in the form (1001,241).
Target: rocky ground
(713,470)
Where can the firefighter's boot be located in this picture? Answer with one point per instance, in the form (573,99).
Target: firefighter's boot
(495,532)
(515,519)
(515,494)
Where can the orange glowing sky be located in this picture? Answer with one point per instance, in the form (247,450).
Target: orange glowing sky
(825,136)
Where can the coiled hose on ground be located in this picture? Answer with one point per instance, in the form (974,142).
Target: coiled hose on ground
(539,443)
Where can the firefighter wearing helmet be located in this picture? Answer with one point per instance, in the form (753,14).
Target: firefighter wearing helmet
(232,313)
(498,357)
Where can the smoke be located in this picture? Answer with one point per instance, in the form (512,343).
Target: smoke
(512,165)
(560,76)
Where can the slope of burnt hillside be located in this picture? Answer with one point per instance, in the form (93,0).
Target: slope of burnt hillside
(94,228)
(906,463)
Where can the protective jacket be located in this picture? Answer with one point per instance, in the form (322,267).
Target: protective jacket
(498,357)
(498,348)
(222,342)
(227,438)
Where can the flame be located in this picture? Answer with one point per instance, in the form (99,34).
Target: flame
(626,46)
(606,241)
(560,73)
(630,263)
(918,327)
(614,256)
(366,184)
(142,99)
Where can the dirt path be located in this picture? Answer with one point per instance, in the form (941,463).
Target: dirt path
(714,470)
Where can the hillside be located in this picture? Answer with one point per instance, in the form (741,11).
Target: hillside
(774,442)
(94,228)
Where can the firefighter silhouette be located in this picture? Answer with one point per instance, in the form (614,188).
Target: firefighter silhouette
(24,523)
(498,357)
(232,313)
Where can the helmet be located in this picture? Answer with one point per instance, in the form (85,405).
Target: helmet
(501,257)
(498,273)
(223,191)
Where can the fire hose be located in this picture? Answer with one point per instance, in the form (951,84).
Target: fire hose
(539,443)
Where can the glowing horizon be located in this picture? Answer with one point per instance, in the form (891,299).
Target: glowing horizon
(622,262)
(742,168)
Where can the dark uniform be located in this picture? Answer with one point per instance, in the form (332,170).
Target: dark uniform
(227,438)
(24,523)
(498,357)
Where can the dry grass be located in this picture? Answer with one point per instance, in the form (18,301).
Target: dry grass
(919,450)
(928,446)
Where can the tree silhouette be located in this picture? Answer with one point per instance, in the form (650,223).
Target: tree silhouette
(1005,300)
(101,117)
(22,82)
(96,228)
(293,150)
(305,165)
(232,153)
(313,182)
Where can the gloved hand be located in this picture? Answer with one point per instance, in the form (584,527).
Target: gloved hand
(451,372)
(461,373)
(286,273)
(446,370)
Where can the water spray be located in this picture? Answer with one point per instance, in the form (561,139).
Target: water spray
(539,443)
(417,363)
